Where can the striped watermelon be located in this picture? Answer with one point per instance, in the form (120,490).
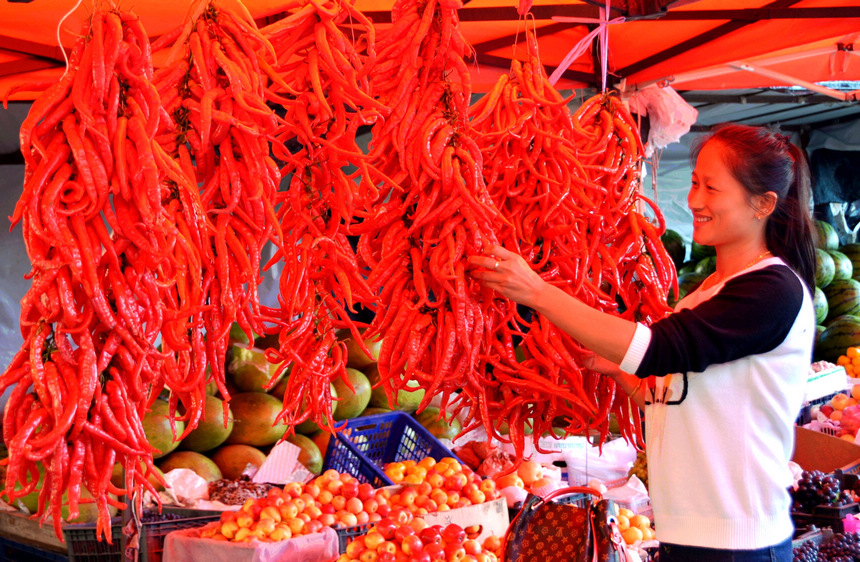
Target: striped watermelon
(821,308)
(853,253)
(828,238)
(840,334)
(844,269)
(843,297)
(825,268)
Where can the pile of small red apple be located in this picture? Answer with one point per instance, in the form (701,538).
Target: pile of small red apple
(330,500)
(438,486)
(418,541)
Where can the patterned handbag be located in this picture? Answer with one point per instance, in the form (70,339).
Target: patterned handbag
(558,532)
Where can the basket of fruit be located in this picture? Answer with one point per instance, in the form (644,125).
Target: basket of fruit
(366,444)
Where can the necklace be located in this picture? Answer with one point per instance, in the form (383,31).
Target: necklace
(716,278)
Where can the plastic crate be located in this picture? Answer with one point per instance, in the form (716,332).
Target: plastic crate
(365,445)
(12,551)
(348,534)
(153,532)
(84,547)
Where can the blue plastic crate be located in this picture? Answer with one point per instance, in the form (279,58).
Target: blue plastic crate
(365,445)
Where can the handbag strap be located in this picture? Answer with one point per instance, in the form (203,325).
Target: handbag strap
(570,490)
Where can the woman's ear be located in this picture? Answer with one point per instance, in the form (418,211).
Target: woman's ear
(765,204)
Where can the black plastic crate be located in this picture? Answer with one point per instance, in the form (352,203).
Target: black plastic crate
(85,547)
(153,532)
(348,534)
(13,551)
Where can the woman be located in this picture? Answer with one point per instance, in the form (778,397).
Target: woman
(730,364)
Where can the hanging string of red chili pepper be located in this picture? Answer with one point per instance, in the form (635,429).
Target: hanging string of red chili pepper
(325,51)
(214,93)
(97,216)
(435,320)
(569,187)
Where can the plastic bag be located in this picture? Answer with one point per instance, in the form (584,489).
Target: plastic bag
(608,466)
(670,116)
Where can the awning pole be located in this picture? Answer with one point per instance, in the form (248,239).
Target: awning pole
(842,96)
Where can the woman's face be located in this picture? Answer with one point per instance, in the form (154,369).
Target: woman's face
(722,213)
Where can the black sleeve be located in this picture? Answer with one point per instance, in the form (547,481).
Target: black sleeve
(751,314)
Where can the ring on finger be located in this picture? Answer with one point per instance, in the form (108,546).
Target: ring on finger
(496,266)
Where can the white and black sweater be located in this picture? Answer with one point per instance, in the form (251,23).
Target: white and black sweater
(720,434)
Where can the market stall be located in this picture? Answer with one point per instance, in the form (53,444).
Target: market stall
(180,155)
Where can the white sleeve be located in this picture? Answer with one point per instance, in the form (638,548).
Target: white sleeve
(636,349)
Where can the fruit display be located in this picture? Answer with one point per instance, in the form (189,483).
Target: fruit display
(438,486)
(417,541)
(842,547)
(815,489)
(806,552)
(330,500)
(640,468)
(635,527)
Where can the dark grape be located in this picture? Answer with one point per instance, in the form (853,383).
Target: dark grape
(842,547)
(151,515)
(815,488)
(806,552)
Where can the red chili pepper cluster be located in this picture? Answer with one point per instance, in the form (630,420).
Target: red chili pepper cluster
(98,226)
(568,184)
(219,140)
(435,320)
(320,80)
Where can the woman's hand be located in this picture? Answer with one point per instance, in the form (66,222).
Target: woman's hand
(508,274)
(600,365)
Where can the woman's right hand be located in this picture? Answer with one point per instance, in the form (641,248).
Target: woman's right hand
(508,274)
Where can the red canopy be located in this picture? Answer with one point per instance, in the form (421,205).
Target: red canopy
(692,44)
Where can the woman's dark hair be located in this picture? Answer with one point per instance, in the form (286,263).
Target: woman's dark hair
(763,160)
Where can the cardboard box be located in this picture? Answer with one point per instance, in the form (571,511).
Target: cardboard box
(814,450)
(492,516)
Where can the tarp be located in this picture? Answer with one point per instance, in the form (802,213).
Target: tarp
(692,44)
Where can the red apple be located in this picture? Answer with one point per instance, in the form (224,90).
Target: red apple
(431,535)
(435,551)
(386,528)
(411,544)
(453,534)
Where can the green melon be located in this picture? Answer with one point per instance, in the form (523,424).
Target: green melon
(825,268)
(254,415)
(687,283)
(840,334)
(210,431)
(675,246)
(687,267)
(433,422)
(699,252)
(156,428)
(843,268)
(828,238)
(843,297)
(821,308)
(707,265)
(351,402)
(852,251)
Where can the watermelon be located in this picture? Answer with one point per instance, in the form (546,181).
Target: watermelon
(843,297)
(840,334)
(820,303)
(843,266)
(707,265)
(687,283)
(699,252)
(675,246)
(828,238)
(825,268)
(687,267)
(852,251)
